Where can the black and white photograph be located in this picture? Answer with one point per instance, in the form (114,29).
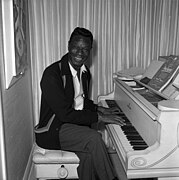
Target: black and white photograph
(89,89)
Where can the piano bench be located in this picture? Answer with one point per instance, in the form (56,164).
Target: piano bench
(55,164)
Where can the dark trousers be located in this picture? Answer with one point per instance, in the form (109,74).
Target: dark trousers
(90,148)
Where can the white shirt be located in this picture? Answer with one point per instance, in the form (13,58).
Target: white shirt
(78,97)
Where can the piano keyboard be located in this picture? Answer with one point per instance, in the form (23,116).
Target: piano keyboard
(129,136)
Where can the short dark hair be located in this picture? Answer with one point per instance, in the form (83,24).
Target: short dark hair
(79,31)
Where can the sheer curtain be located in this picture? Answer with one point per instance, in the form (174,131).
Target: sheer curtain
(127,33)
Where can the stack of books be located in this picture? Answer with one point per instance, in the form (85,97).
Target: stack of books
(129,75)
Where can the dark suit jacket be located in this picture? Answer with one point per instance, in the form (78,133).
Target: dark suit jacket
(57,99)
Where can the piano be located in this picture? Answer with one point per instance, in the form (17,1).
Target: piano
(148,144)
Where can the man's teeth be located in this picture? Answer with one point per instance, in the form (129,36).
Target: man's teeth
(79,59)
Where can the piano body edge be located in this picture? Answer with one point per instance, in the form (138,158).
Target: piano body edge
(161,158)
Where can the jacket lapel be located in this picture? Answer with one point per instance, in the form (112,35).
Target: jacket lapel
(85,83)
(65,72)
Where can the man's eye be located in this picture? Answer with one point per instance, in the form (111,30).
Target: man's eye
(85,50)
(80,49)
(74,49)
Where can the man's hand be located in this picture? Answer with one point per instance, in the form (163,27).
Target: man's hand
(111,119)
(113,110)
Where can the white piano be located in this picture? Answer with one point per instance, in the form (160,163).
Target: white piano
(148,145)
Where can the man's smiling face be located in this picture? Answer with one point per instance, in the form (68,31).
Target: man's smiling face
(79,50)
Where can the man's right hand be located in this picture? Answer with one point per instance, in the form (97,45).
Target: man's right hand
(111,119)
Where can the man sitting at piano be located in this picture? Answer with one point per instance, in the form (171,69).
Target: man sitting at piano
(65,104)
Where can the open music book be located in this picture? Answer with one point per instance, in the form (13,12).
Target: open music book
(176,81)
(165,74)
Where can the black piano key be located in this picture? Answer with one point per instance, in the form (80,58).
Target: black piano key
(144,146)
(129,129)
(138,143)
(134,137)
(112,103)
(138,148)
(130,133)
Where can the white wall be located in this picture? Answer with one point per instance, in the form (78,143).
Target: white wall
(17,117)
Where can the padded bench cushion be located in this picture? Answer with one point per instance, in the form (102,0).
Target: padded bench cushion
(44,156)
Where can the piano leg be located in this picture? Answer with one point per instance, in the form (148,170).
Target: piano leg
(118,166)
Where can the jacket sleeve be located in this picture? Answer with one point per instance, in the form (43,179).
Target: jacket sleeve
(54,94)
